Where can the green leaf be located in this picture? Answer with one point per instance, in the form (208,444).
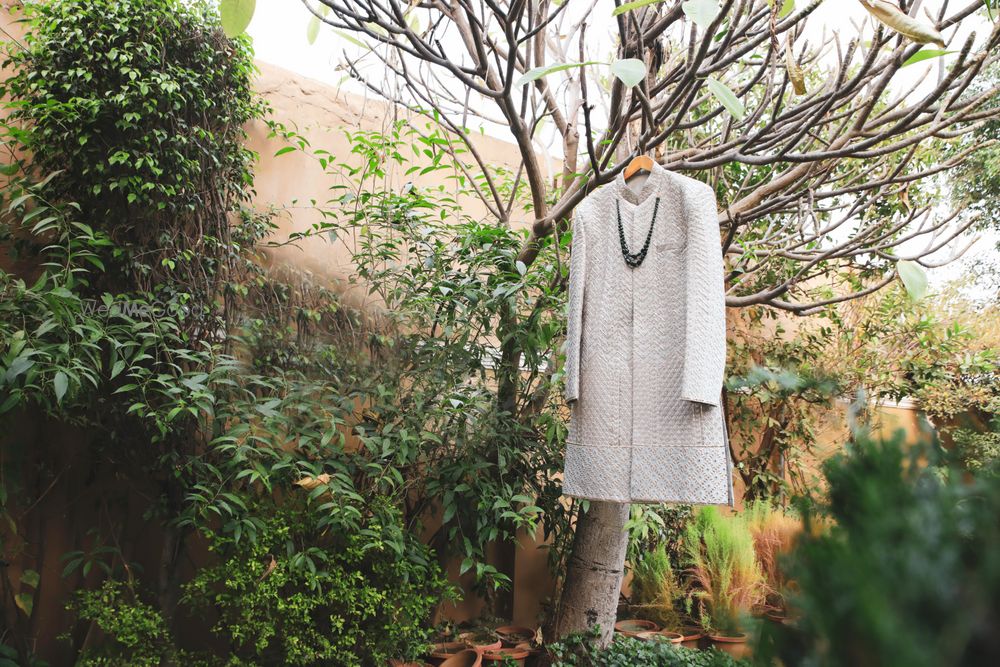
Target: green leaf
(352,39)
(30,578)
(24,602)
(236,16)
(925,54)
(914,278)
(630,6)
(890,15)
(702,12)
(282,151)
(787,7)
(727,97)
(521,268)
(61,383)
(631,71)
(538,72)
(17,367)
(312,30)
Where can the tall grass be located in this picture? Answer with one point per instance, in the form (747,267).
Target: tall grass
(727,578)
(774,533)
(655,590)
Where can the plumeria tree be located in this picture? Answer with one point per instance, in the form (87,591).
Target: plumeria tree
(814,149)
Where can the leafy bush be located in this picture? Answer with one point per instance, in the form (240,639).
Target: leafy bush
(649,526)
(297,596)
(135,106)
(977,451)
(909,573)
(724,568)
(151,214)
(137,634)
(581,651)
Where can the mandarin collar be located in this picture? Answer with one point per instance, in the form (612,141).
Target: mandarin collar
(653,182)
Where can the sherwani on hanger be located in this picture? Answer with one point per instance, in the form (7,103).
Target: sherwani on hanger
(646,347)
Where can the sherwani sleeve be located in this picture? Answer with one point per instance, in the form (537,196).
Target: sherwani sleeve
(574,319)
(705,322)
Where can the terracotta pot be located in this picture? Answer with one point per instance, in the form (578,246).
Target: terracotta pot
(776,616)
(660,636)
(512,635)
(466,658)
(497,656)
(445,650)
(631,627)
(480,642)
(735,645)
(535,654)
(691,636)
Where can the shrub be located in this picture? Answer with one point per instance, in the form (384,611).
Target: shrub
(724,568)
(909,573)
(581,651)
(136,633)
(977,451)
(298,595)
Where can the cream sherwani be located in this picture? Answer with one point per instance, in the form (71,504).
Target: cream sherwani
(646,347)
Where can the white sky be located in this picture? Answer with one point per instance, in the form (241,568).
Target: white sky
(278,30)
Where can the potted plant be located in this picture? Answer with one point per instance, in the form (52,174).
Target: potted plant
(535,653)
(444,650)
(481,639)
(503,656)
(654,589)
(727,578)
(774,534)
(633,626)
(512,635)
(691,636)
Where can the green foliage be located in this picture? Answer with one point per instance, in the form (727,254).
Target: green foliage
(130,131)
(581,651)
(900,566)
(299,595)
(133,113)
(131,327)
(650,526)
(137,632)
(724,568)
(473,444)
(978,451)
(777,387)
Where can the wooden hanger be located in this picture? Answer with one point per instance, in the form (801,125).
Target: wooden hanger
(638,163)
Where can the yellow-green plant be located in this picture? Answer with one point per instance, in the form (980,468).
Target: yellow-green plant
(726,576)
(654,588)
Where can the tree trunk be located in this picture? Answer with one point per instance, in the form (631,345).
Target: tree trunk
(594,574)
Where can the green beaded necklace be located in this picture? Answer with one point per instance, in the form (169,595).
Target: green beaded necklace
(634,259)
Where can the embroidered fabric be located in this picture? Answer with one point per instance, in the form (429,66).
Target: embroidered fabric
(646,349)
